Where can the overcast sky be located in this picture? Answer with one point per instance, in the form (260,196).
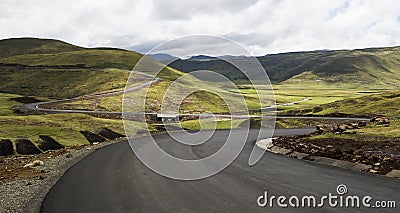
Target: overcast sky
(265,26)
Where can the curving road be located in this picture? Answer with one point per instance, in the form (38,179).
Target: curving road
(112,179)
(36,107)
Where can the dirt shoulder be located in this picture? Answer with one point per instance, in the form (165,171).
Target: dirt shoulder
(380,151)
(25,180)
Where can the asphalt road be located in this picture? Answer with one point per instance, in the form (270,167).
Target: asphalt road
(112,179)
(36,107)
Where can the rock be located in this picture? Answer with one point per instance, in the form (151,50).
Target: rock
(343,127)
(394,173)
(334,153)
(26,147)
(362,124)
(320,129)
(373,171)
(92,137)
(34,164)
(265,143)
(109,134)
(386,158)
(325,129)
(354,125)
(6,147)
(279,150)
(298,155)
(48,143)
(69,155)
(381,120)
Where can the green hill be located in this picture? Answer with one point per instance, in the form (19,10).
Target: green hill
(59,82)
(374,66)
(51,68)
(45,52)
(20,46)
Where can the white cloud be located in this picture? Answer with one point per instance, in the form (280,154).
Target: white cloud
(265,26)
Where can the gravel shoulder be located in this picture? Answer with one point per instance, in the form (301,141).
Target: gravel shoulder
(23,188)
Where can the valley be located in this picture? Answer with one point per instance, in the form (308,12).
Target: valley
(304,84)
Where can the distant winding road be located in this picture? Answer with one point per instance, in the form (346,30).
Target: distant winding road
(112,179)
(36,107)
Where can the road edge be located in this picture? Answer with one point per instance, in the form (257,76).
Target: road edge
(268,145)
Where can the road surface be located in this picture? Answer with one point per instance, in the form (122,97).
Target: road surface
(112,179)
(36,107)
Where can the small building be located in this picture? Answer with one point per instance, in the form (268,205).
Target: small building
(168,118)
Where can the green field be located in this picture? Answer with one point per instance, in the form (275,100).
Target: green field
(62,127)
(380,104)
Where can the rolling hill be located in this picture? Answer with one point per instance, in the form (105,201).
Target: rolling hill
(47,52)
(374,66)
(55,69)
(21,46)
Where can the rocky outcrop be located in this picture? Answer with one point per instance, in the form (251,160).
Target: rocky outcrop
(92,137)
(109,134)
(48,143)
(6,147)
(26,147)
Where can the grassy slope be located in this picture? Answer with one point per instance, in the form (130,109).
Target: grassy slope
(366,68)
(47,52)
(53,68)
(62,127)
(97,58)
(382,104)
(13,47)
(371,67)
(60,83)
(6,103)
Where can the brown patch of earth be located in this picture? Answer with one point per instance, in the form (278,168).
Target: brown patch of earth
(12,167)
(381,152)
